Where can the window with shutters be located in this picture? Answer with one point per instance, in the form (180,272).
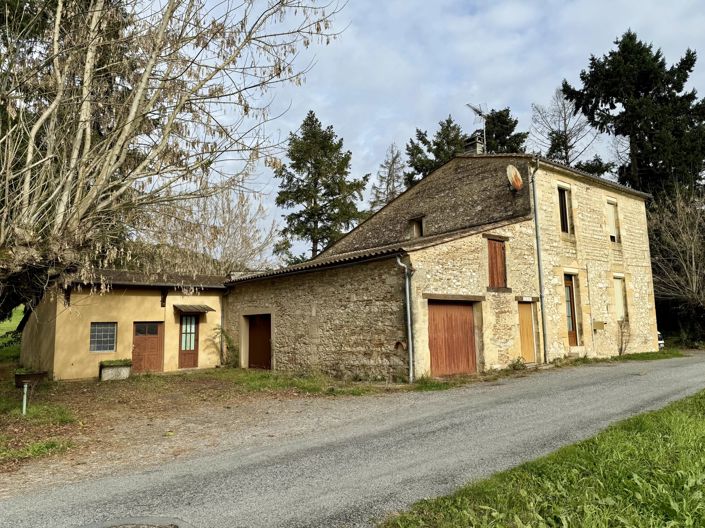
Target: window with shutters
(613,221)
(497,263)
(566,213)
(620,299)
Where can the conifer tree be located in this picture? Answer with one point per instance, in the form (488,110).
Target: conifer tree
(426,155)
(500,128)
(316,185)
(390,179)
(632,93)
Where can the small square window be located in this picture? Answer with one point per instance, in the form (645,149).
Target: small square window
(103,337)
(416,227)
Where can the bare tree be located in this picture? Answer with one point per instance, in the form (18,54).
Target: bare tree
(390,179)
(624,335)
(559,132)
(113,107)
(677,227)
(224,233)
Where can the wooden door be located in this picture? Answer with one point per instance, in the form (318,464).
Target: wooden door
(451,338)
(527,333)
(148,347)
(260,341)
(570,310)
(188,341)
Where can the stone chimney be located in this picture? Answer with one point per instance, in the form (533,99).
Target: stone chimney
(475,143)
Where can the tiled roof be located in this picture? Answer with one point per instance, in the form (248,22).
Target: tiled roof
(157,280)
(371,254)
(576,172)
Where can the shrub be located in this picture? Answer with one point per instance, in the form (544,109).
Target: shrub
(116,363)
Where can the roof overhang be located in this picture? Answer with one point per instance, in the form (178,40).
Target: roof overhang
(193,308)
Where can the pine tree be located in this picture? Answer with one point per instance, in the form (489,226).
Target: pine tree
(596,166)
(500,129)
(427,155)
(390,179)
(316,185)
(632,93)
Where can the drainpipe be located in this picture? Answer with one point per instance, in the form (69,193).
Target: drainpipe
(539,261)
(409,328)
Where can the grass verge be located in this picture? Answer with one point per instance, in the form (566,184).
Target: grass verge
(645,471)
(667,353)
(41,448)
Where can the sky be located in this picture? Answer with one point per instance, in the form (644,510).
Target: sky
(403,64)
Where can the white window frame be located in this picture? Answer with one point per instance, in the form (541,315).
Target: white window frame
(568,206)
(613,226)
(98,339)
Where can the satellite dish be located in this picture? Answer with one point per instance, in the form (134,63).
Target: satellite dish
(514,177)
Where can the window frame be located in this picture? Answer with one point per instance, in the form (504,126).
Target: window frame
(99,339)
(416,227)
(571,309)
(192,334)
(625,308)
(565,209)
(615,235)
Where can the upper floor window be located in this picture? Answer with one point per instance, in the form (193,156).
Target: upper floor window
(620,299)
(103,336)
(613,221)
(497,263)
(566,212)
(416,227)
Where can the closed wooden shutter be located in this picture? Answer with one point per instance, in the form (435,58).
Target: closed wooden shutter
(497,264)
(619,301)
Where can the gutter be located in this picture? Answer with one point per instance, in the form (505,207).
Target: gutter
(539,261)
(408,272)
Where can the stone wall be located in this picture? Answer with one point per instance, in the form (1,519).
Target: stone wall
(594,260)
(346,322)
(459,269)
(463,193)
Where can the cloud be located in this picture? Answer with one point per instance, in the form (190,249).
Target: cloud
(402,64)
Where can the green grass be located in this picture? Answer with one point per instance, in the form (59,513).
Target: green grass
(32,450)
(244,380)
(10,348)
(37,413)
(10,324)
(666,353)
(647,471)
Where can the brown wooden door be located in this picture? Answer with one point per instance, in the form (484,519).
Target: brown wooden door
(570,310)
(188,341)
(451,338)
(526,332)
(260,342)
(148,347)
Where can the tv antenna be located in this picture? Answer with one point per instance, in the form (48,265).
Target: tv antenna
(482,115)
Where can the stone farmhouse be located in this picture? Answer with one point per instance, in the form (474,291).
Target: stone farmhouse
(444,280)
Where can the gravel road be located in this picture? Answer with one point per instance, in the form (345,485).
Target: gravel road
(351,461)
